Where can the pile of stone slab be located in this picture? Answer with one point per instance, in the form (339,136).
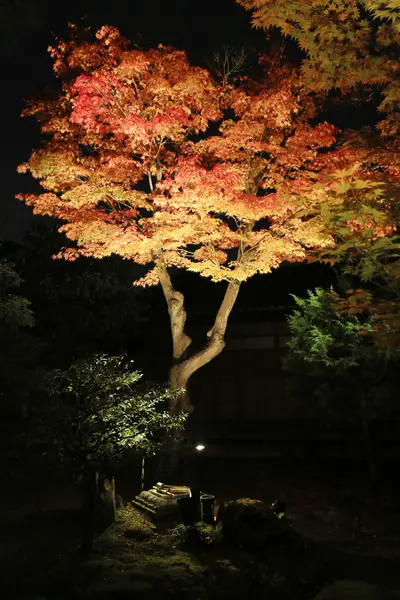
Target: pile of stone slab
(161,501)
(169,503)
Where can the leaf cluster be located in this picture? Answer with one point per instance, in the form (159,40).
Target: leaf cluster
(364,222)
(346,43)
(335,362)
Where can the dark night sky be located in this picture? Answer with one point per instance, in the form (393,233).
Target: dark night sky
(198,26)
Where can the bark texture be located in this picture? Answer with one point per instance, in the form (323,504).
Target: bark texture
(183,367)
(181,372)
(176,309)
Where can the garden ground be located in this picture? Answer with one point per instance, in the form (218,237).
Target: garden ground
(357,538)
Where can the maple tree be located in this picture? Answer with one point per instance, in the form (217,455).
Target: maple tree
(150,158)
(352,47)
(371,264)
(345,43)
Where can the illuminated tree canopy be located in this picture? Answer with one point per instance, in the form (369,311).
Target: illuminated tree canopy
(149,158)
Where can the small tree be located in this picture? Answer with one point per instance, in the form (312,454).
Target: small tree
(333,357)
(96,411)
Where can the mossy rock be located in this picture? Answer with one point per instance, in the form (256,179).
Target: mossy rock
(252,524)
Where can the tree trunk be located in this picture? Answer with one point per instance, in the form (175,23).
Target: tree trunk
(183,368)
(178,381)
(370,455)
(89,507)
(182,371)
(176,309)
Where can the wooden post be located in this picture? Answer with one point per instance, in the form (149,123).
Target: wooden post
(142,474)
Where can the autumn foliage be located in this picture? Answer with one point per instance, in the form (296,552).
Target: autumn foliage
(147,157)
(345,44)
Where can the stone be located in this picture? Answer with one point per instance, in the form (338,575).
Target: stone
(350,590)
(253,524)
(161,502)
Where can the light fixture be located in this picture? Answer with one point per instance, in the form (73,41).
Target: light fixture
(200,447)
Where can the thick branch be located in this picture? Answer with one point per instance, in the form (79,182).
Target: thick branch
(221,320)
(181,373)
(176,308)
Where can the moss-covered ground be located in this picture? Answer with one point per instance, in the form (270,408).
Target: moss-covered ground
(131,560)
(356,538)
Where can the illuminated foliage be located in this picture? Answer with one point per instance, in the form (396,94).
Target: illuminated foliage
(337,369)
(94,412)
(346,42)
(97,409)
(376,265)
(149,158)
(367,252)
(129,171)
(322,335)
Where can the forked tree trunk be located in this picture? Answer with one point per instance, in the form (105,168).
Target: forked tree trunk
(184,366)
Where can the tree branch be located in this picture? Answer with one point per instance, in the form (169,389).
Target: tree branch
(181,373)
(221,320)
(176,309)
(150,181)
